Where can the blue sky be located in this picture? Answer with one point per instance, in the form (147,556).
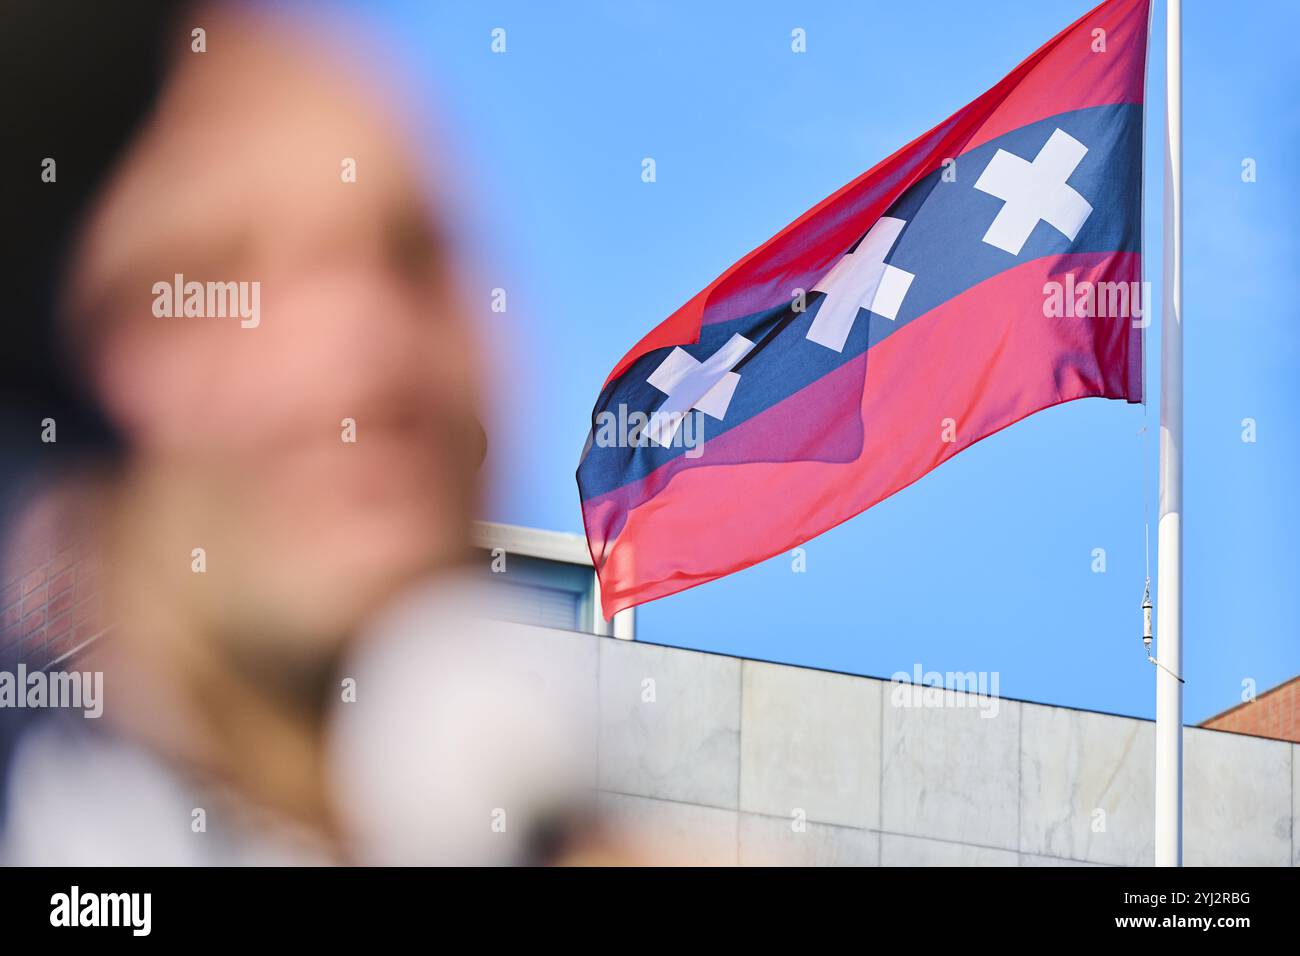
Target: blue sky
(985,564)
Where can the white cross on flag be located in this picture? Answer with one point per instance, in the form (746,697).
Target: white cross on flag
(860,280)
(690,383)
(1035,191)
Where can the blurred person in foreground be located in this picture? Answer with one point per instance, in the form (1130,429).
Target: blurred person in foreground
(227,735)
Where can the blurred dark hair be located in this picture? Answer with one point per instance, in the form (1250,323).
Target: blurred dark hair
(78,77)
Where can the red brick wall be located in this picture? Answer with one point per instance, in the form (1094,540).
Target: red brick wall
(48,601)
(1274,713)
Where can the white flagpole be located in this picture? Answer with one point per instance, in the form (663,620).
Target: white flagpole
(1169,575)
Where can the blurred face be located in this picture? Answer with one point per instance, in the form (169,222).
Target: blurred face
(239,427)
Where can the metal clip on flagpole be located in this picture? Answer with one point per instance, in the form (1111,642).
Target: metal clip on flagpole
(1146,633)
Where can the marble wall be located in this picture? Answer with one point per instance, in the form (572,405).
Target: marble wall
(713,759)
